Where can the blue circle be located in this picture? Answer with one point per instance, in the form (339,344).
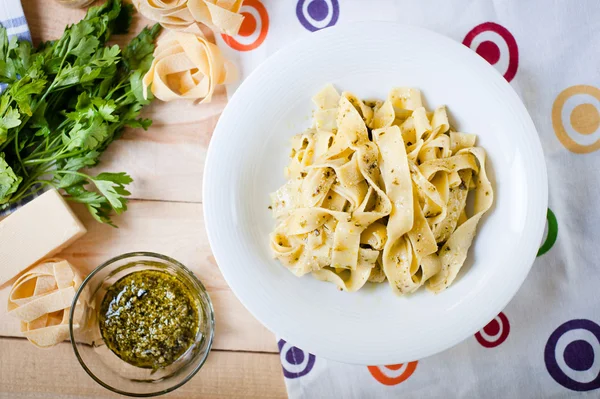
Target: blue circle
(317,10)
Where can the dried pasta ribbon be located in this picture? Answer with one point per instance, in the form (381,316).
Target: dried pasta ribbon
(41,298)
(186,65)
(221,15)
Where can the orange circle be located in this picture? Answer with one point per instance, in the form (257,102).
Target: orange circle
(248,25)
(264,28)
(585,118)
(557,123)
(386,380)
(394,366)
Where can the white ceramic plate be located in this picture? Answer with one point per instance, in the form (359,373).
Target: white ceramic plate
(250,148)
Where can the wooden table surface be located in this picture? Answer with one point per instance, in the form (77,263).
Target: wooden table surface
(165,216)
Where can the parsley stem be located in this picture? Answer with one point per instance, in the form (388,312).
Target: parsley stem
(42,160)
(48,146)
(71,172)
(24,191)
(110,93)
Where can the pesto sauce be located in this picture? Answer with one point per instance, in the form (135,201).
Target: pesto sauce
(148,318)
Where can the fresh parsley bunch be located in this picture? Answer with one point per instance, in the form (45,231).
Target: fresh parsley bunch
(65,102)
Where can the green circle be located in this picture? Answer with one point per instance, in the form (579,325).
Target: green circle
(552,233)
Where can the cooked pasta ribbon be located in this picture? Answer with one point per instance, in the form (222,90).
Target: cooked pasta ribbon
(377,190)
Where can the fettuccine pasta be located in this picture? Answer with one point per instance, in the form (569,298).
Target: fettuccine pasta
(187,66)
(42,297)
(221,15)
(378,191)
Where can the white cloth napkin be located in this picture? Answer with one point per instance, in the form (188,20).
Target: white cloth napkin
(546,343)
(13,19)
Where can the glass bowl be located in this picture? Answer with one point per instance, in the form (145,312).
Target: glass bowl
(105,367)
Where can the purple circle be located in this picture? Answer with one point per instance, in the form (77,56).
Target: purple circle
(295,356)
(578,355)
(317,10)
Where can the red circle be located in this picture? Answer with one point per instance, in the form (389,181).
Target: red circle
(264,28)
(387,380)
(248,25)
(511,43)
(489,51)
(493,328)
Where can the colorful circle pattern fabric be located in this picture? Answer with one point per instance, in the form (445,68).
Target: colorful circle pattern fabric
(317,14)
(254,29)
(295,362)
(579,131)
(570,352)
(570,355)
(494,333)
(393,374)
(496,45)
(552,233)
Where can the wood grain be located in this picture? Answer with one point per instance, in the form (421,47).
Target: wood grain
(30,373)
(167,164)
(175,230)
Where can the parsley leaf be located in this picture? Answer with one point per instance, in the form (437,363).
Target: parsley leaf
(96,204)
(23,91)
(9,182)
(112,186)
(74,164)
(15,58)
(138,53)
(8,121)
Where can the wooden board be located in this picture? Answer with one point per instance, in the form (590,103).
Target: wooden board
(56,374)
(165,216)
(176,230)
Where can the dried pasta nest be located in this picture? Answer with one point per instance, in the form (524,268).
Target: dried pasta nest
(41,299)
(221,15)
(187,66)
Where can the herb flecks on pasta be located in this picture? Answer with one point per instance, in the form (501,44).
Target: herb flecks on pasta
(378,191)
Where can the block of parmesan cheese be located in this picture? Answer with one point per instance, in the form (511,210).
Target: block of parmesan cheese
(41,228)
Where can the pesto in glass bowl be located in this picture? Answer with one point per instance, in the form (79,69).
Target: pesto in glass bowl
(147,327)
